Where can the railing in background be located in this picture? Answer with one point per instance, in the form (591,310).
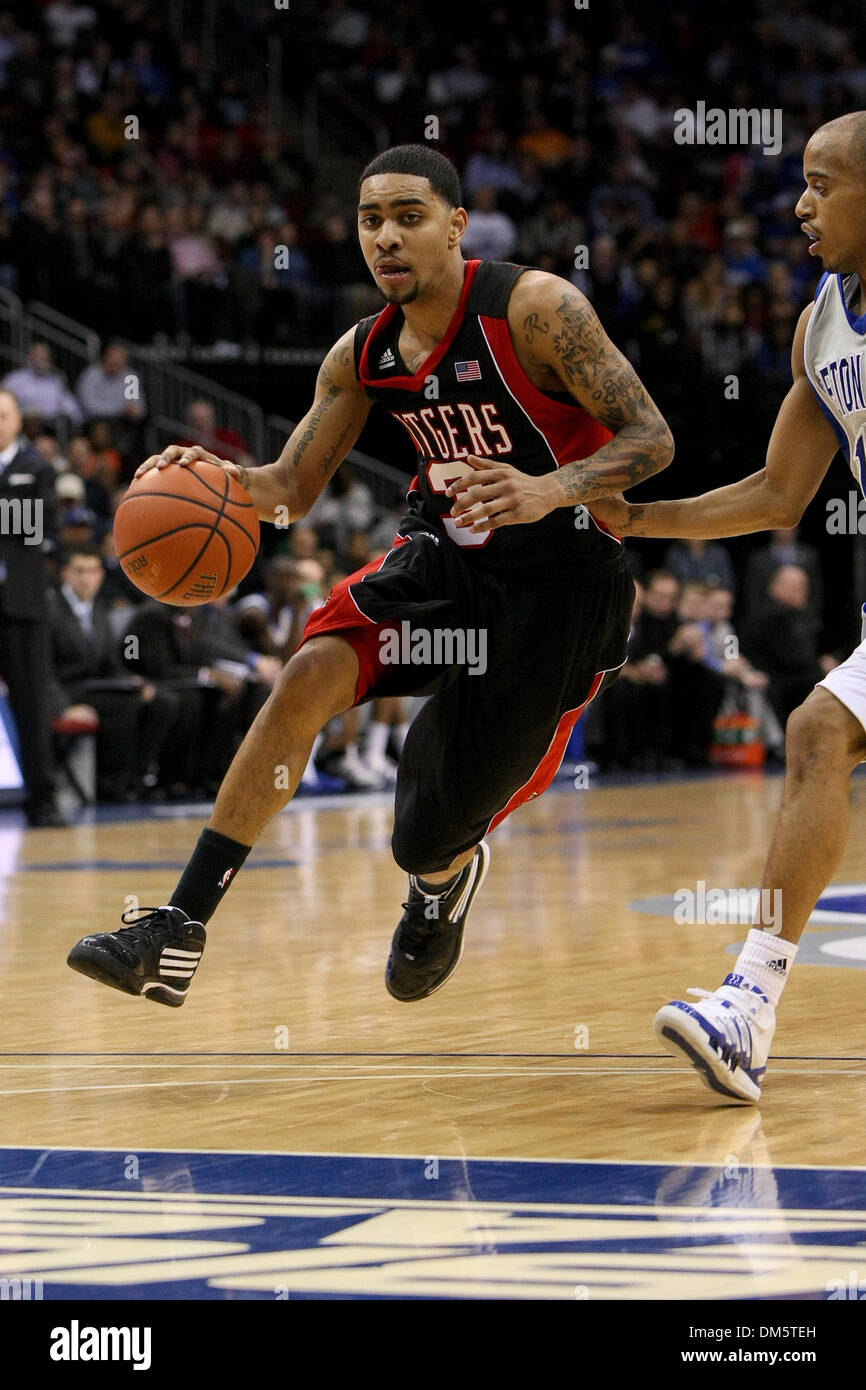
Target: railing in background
(11,328)
(330,111)
(169,388)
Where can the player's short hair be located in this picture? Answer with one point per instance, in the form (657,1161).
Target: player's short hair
(423,161)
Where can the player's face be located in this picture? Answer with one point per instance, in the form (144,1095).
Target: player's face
(405,229)
(831,206)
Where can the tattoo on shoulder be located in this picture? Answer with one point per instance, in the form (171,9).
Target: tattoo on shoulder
(344,355)
(532,326)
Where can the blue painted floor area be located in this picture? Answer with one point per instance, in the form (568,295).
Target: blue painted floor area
(101,1224)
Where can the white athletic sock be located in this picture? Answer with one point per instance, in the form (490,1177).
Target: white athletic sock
(765,961)
(309,775)
(377,741)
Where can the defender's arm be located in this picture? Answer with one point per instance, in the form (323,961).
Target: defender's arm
(799,453)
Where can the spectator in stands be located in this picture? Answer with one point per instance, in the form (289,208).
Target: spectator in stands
(700,562)
(784,548)
(65,20)
(135,717)
(492,166)
(217,439)
(27,494)
(110,389)
(40,388)
(46,443)
(272,623)
(221,683)
(148,274)
(781,638)
(198,271)
(745,687)
(345,506)
(491,234)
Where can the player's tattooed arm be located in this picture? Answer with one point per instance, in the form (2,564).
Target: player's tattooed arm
(799,453)
(607,386)
(327,432)
(559,341)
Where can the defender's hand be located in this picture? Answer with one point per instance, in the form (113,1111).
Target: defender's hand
(495,494)
(612,511)
(185,455)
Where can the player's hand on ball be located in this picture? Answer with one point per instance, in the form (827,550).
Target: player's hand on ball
(494,494)
(186,454)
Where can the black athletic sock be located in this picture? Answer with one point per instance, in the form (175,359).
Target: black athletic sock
(436,890)
(214,863)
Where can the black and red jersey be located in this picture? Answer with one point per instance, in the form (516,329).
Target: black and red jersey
(471,396)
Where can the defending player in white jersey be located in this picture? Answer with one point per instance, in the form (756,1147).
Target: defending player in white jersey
(727,1035)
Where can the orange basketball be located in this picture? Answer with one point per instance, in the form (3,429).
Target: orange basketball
(185,535)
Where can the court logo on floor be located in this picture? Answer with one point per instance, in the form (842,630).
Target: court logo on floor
(288,1226)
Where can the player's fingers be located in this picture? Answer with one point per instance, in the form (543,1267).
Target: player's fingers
(493,522)
(478,513)
(472,496)
(196,454)
(148,464)
(468,480)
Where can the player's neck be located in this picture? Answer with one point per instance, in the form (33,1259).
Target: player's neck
(428,318)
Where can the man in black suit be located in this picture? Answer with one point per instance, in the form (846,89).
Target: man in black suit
(134,716)
(26,531)
(221,683)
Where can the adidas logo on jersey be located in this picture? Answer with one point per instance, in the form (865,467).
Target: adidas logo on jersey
(386,360)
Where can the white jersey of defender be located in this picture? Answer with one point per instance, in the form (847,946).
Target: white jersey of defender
(834,355)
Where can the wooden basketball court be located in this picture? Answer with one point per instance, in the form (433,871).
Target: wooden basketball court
(540,1048)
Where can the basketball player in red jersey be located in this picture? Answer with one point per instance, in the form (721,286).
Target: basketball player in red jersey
(522,413)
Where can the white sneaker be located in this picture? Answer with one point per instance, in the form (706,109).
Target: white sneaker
(727,1037)
(382,769)
(356,773)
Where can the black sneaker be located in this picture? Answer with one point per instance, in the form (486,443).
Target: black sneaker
(428,942)
(155,956)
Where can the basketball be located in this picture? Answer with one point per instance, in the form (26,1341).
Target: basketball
(186,535)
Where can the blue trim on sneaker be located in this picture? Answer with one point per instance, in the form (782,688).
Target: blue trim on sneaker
(730,1055)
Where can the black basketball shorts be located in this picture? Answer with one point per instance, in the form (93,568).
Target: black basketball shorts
(511,658)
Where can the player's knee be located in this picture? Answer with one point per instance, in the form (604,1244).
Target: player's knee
(416,851)
(822,738)
(320,679)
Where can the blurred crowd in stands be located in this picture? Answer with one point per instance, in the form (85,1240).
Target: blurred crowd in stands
(204,221)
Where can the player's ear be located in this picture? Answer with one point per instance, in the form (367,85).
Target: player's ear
(456,226)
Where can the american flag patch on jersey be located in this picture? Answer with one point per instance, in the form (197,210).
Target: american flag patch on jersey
(468,371)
